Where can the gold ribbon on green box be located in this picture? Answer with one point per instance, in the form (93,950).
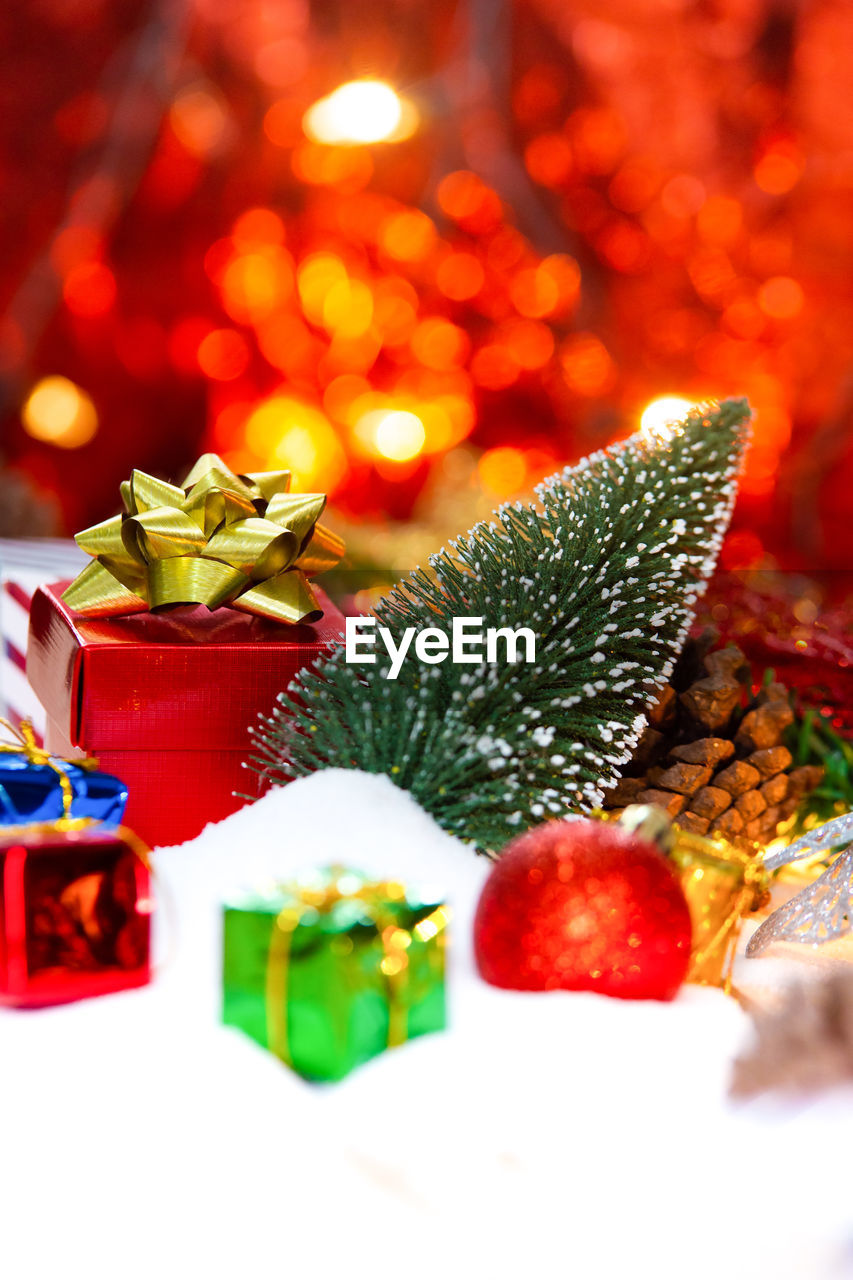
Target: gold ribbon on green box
(219,539)
(333,969)
(395,943)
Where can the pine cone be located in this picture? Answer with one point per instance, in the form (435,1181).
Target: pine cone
(713,755)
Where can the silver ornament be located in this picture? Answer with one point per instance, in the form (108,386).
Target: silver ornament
(822,910)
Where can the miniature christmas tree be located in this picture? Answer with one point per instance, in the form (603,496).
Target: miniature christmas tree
(606,573)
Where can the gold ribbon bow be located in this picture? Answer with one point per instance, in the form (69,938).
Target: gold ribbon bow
(25,744)
(221,538)
(395,944)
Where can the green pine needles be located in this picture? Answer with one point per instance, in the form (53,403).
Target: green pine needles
(606,572)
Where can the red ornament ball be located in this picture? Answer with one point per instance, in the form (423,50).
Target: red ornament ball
(583,906)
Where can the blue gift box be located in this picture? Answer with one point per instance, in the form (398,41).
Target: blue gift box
(32,790)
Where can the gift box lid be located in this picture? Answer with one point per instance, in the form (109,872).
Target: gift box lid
(48,837)
(186,680)
(354,900)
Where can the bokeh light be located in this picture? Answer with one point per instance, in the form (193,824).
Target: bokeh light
(255,283)
(201,120)
(348,308)
(502,471)
(438,344)
(531,342)
(316,276)
(662,412)
(394,434)
(408,235)
(495,367)
(59,412)
(284,431)
(223,354)
(549,159)
(463,196)
(547,261)
(588,367)
(779,169)
(258,227)
(89,289)
(460,276)
(346,169)
(360,112)
(781,298)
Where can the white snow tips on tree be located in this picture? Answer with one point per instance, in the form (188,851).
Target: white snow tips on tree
(606,569)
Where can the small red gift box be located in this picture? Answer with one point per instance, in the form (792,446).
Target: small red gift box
(165,701)
(74,914)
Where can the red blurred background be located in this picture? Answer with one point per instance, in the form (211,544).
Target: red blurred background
(595,206)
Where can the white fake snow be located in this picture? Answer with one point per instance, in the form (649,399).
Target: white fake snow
(560,1135)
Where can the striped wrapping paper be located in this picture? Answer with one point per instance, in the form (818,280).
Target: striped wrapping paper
(24,565)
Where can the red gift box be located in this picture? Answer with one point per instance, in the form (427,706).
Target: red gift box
(74,914)
(165,701)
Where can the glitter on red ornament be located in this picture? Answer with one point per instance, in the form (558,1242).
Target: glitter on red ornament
(583,906)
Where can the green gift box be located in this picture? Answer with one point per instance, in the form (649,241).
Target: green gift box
(329,971)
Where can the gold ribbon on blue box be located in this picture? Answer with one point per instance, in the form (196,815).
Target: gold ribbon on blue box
(218,539)
(332,970)
(36,786)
